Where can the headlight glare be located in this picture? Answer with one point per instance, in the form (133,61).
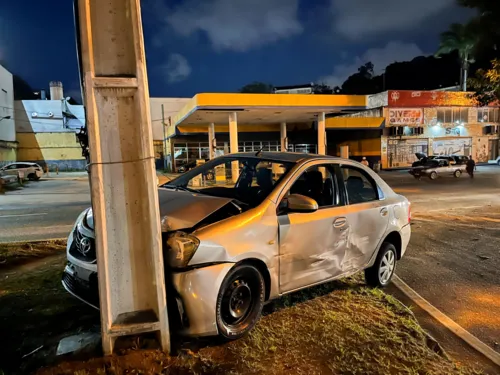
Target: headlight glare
(181,248)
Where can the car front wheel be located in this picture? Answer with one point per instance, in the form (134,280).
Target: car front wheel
(240,301)
(457,173)
(433,175)
(380,274)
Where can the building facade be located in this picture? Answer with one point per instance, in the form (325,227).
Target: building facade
(8,143)
(437,123)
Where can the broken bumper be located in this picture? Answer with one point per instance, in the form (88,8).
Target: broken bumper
(191,295)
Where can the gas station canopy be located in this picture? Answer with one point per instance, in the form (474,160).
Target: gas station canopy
(264,110)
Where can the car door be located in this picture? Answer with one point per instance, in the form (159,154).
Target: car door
(11,170)
(311,245)
(367,214)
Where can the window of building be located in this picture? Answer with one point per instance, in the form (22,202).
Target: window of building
(455,114)
(319,183)
(488,115)
(360,187)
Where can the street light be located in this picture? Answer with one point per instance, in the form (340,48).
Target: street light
(5,118)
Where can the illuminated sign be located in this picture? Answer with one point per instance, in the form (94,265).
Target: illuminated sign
(406,116)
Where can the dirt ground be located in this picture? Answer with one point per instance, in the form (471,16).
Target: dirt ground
(339,328)
(453,261)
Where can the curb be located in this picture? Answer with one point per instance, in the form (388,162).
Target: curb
(443,319)
(33,241)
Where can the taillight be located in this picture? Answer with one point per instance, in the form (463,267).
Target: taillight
(409,212)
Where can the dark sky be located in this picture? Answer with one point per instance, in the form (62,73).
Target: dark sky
(220,45)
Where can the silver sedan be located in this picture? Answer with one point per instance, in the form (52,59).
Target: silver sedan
(262,226)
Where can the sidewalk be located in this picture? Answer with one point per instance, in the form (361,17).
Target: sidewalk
(65,176)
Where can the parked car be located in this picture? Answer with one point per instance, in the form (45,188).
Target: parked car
(188,166)
(31,171)
(289,222)
(7,179)
(436,167)
(494,161)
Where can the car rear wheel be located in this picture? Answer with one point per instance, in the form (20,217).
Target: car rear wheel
(240,301)
(380,274)
(457,173)
(433,175)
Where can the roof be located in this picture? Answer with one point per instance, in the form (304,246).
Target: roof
(293,157)
(262,109)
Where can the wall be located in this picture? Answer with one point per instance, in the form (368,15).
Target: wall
(8,143)
(43,137)
(51,148)
(170,108)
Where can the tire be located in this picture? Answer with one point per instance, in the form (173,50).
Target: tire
(498,162)
(374,276)
(433,175)
(240,301)
(32,177)
(457,173)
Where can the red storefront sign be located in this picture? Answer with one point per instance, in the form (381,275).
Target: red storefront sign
(406,116)
(403,98)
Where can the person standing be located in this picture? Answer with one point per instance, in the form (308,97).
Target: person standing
(365,162)
(470,166)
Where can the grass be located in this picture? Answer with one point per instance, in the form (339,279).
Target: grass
(338,328)
(36,311)
(15,254)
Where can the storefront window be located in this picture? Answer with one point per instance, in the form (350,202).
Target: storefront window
(450,115)
(488,115)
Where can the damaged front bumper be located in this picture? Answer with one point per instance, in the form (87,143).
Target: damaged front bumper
(191,295)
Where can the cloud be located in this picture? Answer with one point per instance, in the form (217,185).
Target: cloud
(356,19)
(237,25)
(177,68)
(380,57)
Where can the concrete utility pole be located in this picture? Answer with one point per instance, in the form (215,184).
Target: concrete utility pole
(123,181)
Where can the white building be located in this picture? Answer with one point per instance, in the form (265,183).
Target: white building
(8,145)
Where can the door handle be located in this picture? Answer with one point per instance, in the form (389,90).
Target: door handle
(339,222)
(384,211)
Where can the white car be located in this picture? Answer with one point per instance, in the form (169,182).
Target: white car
(31,171)
(289,222)
(494,161)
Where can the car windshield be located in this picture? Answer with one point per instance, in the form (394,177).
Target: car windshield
(247,179)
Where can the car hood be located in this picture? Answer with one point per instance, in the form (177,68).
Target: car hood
(180,209)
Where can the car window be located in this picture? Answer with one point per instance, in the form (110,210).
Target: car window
(319,183)
(360,187)
(12,166)
(250,180)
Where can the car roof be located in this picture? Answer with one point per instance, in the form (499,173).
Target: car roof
(293,157)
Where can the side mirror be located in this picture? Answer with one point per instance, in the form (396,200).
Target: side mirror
(301,203)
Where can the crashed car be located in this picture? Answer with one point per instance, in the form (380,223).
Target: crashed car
(267,225)
(434,167)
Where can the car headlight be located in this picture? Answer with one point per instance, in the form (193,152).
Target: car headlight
(181,248)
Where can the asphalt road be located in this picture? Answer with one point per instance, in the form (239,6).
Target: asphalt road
(453,259)
(42,209)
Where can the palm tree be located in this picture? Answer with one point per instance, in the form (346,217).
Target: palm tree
(463,39)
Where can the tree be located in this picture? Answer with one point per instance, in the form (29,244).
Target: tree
(487,84)
(257,88)
(463,39)
(322,88)
(489,14)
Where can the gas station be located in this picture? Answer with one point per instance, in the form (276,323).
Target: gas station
(212,122)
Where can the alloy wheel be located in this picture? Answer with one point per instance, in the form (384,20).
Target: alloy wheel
(387,267)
